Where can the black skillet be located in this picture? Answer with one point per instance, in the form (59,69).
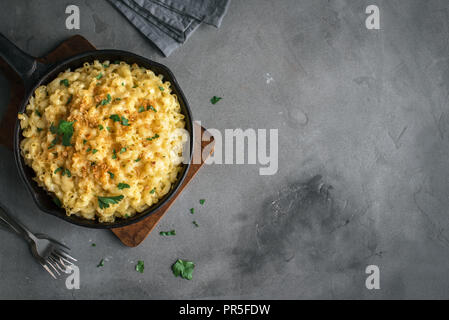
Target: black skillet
(34,74)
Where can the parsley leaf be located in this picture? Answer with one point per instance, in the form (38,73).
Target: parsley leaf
(115,117)
(122,150)
(183,268)
(53,143)
(57,201)
(195,223)
(137,160)
(69,99)
(64,82)
(141,109)
(202,201)
(84,141)
(100,75)
(153,137)
(100,127)
(140,266)
(111,174)
(37,112)
(192,210)
(67,172)
(65,129)
(151,108)
(161,88)
(168,233)
(94,151)
(153,191)
(107,100)
(114,154)
(215,99)
(101,264)
(57,170)
(122,186)
(125,121)
(104,202)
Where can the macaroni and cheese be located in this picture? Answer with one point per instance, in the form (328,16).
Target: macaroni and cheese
(105,139)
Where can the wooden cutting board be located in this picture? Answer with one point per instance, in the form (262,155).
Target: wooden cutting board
(131,235)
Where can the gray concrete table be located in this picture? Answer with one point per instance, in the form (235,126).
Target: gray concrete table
(366,110)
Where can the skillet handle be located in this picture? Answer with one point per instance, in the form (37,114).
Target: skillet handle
(22,63)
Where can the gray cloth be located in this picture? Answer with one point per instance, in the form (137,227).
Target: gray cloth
(169,23)
(207,11)
(165,15)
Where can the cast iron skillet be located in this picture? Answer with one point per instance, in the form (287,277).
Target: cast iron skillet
(34,74)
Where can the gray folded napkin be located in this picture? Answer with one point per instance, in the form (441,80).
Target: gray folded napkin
(169,23)
(165,15)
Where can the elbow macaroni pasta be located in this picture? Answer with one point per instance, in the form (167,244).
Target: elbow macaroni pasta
(126,142)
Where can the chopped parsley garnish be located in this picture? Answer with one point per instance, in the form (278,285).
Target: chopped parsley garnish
(153,191)
(107,100)
(104,202)
(57,170)
(122,186)
(69,99)
(100,75)
(37,112)
(94,245)
(215,99)
(84,141)
(64,82)
(122,150)
(109,129)
(105,65)
(195,223)
(168,233)
(101,264)
(111,174)
(65,129)
(192,210)
(141,109)
(89,149)
(117,99)
(183,268)
(153,137)
(115,117)
(125,121)
(151,108)
(100,127)
(161,88)
(123,83)
(67,172)
(135,86)
(57,201)
(137,160)
(94,151)
(39,129)
(140,266)
(202,201)
(53,143)
(114,154)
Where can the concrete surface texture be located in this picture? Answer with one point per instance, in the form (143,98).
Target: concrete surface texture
(363,156)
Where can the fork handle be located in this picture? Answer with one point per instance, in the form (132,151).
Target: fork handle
(15,225)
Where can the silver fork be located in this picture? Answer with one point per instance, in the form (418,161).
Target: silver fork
(50,254)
